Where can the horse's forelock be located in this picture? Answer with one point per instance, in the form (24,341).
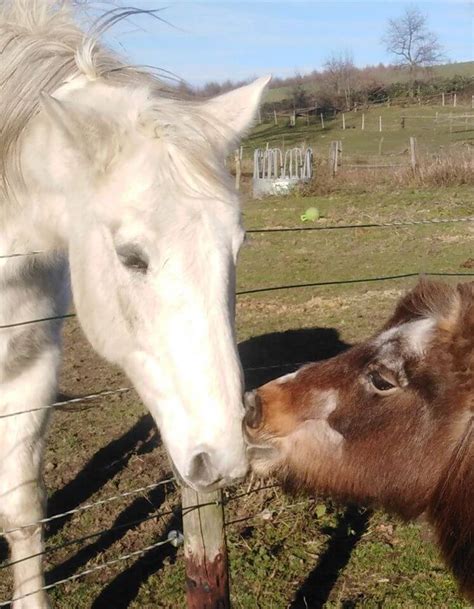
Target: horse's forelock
(44,36)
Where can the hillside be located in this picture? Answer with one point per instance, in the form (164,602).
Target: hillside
(384,76)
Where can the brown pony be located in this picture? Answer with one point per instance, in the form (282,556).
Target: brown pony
(389,423)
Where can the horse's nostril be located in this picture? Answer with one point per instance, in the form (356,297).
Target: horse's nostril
(253,409)
(201,470)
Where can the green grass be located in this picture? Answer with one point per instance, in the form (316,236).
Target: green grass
(362,145)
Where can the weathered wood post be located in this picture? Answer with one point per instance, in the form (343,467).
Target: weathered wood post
(442,99)
(455,100)
(380,123)
(238,167)
(322,121)
(205,552)
(343,121)
(275,118)
(333,157)
(363,122)
(413,154)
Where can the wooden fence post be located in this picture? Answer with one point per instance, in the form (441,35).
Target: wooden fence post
(363,122)
(380,123)
(442,99)
(322,121)
(413,154)
(455,100)
(238,167)
(205,552)
(334,157)
(343,121)
(380,146)
(275,118)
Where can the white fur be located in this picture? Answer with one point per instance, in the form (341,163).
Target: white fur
(99,164)
(285,378)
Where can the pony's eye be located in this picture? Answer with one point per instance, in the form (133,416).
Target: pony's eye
(379,382)
(133,258)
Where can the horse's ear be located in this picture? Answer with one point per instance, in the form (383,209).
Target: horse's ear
(80,129)
(237,109)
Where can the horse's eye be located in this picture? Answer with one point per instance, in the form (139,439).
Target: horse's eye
(133,258)
(379,382)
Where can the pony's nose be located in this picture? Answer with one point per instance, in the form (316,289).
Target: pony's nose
(253,409)
(202,472)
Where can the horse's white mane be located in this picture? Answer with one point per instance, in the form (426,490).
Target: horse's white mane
(42,47)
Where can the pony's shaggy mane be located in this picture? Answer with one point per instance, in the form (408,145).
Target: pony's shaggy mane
(43,36)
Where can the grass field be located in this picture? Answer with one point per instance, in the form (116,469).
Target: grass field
(363,145)
(292,552)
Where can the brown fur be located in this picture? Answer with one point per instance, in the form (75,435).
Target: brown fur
(409,449)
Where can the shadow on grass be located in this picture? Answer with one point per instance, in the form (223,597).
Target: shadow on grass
(124,588)
(269,356)
(130,518)
(106,463)
(315,590)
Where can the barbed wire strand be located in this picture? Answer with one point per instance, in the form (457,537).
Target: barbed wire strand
(394,223)
(282,287)
(91,570)
(77,540)
(350,281)
(84,398)
(119,527)
(171,540)
(133,523)
(99,394)
(37,321)
(88,506)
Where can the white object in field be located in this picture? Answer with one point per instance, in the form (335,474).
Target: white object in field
(275,174)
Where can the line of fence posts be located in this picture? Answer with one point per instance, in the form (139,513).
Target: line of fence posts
(335,157)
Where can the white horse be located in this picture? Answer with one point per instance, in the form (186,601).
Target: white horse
(128,190)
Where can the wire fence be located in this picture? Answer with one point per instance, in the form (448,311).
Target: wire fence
(175,537)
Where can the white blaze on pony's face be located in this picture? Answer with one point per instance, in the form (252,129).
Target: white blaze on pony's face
(155,230)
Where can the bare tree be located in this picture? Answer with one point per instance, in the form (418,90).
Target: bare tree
(410,40)
(340,74)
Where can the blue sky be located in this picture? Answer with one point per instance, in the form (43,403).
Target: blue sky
(221,39)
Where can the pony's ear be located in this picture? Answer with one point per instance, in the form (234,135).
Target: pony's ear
(80,130)
(237,109)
